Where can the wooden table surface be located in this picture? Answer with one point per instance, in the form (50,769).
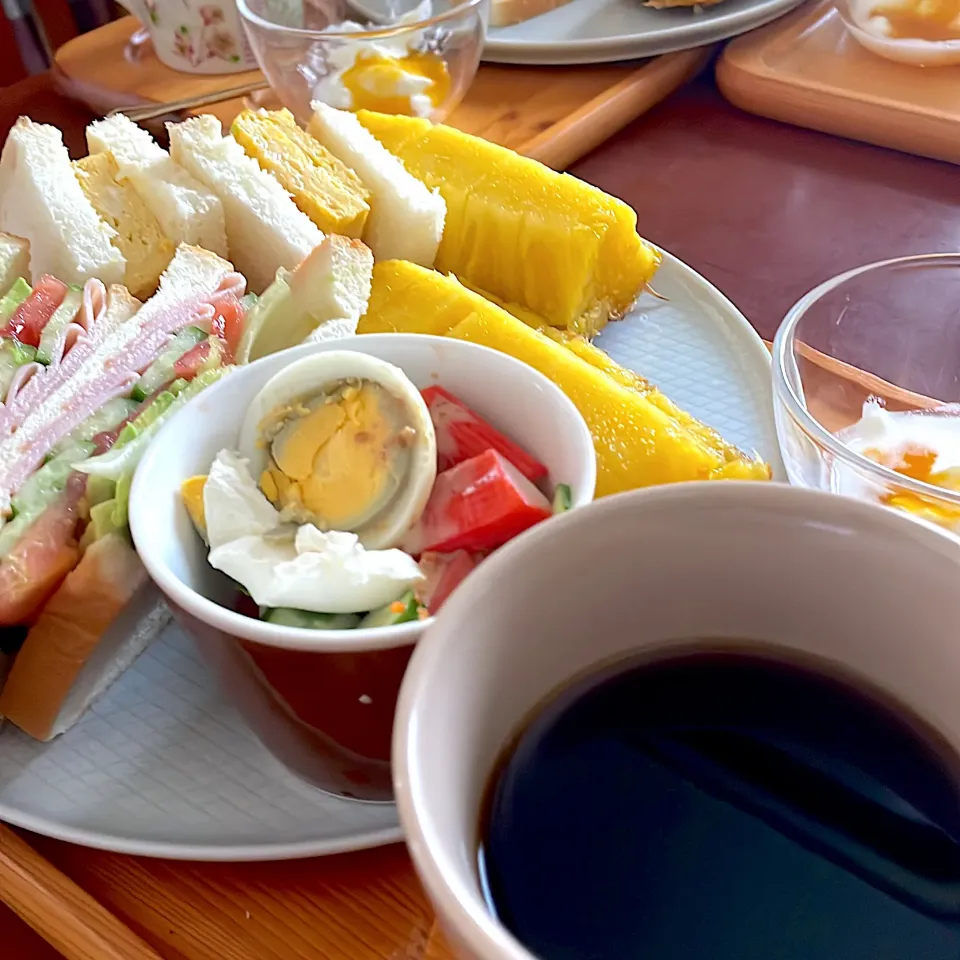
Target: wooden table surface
(765,212)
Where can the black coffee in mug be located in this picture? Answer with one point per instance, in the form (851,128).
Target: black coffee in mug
(725,806)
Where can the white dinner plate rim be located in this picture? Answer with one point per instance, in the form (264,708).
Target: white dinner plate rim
(754,370)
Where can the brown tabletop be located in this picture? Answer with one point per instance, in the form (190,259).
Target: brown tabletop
(765,212)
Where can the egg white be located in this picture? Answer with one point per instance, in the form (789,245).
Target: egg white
(312,375)
(282,566)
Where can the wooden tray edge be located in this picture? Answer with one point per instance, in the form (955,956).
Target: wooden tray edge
(746,82)
(61,911)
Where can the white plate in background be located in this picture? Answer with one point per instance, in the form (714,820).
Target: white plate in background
(601,31)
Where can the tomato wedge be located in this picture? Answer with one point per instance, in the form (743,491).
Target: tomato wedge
(29,319)
(44,555)
(443,572)
(477,505)
(462,434)
(228,325)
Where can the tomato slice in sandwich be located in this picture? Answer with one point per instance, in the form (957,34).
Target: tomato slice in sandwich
(29,319)
(41,559)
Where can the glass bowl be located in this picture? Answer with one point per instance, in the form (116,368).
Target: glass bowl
(872,31)
(415,57)
(888,335)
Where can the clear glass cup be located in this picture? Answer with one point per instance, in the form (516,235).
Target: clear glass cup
(398,56)
(888,330)
(940,48)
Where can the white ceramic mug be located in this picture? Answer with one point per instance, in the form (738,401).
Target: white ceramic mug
(195,36)
(782,567)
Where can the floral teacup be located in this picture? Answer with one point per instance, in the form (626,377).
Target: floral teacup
(195,36)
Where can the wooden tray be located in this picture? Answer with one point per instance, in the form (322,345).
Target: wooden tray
(553,114)
(806,70)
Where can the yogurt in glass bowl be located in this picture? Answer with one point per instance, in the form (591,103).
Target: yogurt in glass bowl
(923,33)
(866,371)
(412,57)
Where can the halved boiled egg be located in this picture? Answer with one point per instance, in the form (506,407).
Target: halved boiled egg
(344,441)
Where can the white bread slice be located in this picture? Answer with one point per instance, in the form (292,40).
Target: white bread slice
(503,13)
(187,211)
(265,229)
(14,260)
(98,622)
(406,217)
(41,201)
(323,299)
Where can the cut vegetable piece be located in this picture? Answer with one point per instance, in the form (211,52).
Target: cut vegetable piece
(444,573)
(477,505)
(544,240)
(161,371)
(13,298)
(135,436)
(406,218)
(562,498)
(54,330)
(44,555)
(305,620)
(321,185)
(228,324)
(462,434)
(636,443)
(29,319)
(13,355)
(191,492)
(400,611)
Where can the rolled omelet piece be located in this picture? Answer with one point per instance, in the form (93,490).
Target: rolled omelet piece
(733,464)
(641,437)
(139,238)
(322,186)
(408,298)
(521,232)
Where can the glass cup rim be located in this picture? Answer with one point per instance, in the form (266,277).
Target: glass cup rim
(783,348)
(382,33)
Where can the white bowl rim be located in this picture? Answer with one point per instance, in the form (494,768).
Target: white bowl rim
(329,641)
(381,33)
(783,349)
(484,935)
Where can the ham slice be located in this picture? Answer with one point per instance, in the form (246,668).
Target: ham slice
(97,369)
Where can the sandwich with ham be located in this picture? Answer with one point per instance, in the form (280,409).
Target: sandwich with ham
(88,374)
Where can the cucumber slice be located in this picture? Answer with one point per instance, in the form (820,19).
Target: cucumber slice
(64,314)
(41,487)
(13,298)
(562,498)
(12,355)
(288,617)
(161,370)
(400,611)
(112,413)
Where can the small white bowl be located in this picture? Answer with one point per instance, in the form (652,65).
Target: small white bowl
(323,701)
(654,572)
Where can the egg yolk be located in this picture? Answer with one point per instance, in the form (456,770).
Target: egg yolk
(338,460)
(386,84)
(933,20)
(918,464)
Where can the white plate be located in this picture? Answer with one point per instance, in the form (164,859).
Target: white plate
(163,766)
(600,31)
